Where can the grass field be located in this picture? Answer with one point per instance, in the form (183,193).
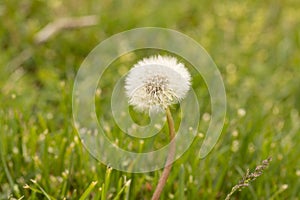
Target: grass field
(256,46)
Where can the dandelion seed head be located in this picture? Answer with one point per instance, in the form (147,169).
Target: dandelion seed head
(241,112)
(285,186)
(157,82)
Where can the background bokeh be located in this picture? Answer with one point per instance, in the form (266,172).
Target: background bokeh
(255,44)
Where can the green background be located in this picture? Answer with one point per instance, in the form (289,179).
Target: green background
(255,44)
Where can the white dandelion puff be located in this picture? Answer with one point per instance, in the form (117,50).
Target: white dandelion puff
(157,82)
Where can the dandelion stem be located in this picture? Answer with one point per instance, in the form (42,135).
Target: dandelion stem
(165,174)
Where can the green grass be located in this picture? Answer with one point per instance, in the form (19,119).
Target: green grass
(255,44)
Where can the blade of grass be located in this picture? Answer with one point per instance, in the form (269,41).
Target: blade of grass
(106,183)
(7,173)
(127,184)
(88,190)
(181,183)
(49,197)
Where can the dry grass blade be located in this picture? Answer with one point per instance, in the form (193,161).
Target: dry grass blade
(249,177)
(63,24)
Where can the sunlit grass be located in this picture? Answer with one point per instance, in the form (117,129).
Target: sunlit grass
(256,46)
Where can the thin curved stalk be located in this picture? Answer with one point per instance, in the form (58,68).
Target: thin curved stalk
(165,174)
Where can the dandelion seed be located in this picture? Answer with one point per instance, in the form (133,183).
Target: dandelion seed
(235,146)
(171,196)
(157,82)
(65,173)
(241,112)
(191,179)
(72,145)
(200,135)
(206,117)
(62,84)
(50,150)
(235,133)
(285,186)
(76,139)
(251,147)
(15,150)
(49,116)
(98,92)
